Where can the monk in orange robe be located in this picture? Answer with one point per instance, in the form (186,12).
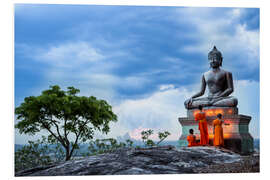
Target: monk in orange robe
(201,117)
(218,132)
(191,139)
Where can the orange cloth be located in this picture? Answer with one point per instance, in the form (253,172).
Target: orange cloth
(201,117)
(191,140)
(218,136)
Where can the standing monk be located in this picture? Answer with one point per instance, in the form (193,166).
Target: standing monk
(218,132)
(201,117)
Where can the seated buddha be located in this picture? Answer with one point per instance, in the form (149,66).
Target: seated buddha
(219,83)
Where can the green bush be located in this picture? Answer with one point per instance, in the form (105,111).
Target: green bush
(38,153)
(150,143)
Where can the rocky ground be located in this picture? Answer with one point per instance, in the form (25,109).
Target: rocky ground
(247,164)
(157,160)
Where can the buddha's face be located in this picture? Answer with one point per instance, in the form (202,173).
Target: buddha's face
(215,61)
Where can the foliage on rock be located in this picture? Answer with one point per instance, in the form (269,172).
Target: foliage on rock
(38,153)
(100,146)
(149,142)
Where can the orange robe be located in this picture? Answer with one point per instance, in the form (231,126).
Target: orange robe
(218,136)
(201,117)
(191,140)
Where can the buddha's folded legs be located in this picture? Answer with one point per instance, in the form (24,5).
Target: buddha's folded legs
(196,102)
(229,101)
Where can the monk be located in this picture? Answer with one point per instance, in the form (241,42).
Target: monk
(218,132)
(191,139)
(201,117)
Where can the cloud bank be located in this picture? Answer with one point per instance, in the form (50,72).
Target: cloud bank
(145,61)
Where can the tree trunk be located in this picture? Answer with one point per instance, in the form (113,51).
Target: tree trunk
(67,153)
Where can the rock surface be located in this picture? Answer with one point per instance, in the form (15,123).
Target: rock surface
(157,160)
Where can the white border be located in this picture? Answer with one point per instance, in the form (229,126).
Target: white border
(7,79)
(190,3)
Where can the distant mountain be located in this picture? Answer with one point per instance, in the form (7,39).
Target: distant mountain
(18,146)
(124,138)
(84,147)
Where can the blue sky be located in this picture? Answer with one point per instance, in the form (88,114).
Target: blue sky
(144,60)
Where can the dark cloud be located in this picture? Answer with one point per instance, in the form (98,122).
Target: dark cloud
(145,42)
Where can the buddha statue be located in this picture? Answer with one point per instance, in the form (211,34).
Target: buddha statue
(219,83)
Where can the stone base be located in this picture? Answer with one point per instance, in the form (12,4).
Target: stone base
(235,128)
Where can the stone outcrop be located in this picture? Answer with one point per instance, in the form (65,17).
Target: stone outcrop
(128,161)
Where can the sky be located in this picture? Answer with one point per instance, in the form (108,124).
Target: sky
(143,60)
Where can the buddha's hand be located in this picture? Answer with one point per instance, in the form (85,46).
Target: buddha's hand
(211,102)
(214,100)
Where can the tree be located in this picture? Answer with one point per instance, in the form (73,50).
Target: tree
(145,137)
(68,118)
(148,142)
(162,136)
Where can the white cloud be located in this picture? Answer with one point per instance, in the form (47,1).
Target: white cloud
(105,85)
(164,87)
(82,65)
(225,32)
(248,94)
(70,54)
(133,82)
(249,41)
(236,13)
(159,112)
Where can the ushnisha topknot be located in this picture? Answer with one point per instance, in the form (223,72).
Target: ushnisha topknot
(215,52)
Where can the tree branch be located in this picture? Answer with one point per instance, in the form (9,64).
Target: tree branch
(77,137)
(57,129)
(65,130)
(46,126)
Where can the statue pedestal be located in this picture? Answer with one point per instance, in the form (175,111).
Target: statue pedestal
(236,133)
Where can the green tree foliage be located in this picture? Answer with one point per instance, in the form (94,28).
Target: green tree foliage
(148,142)
(38,153)
(145,137)
(32,155)
(68,118)
(162,136)
(100,146)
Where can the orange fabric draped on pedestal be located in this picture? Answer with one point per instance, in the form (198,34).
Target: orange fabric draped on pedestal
(201,117)
(191,140)
(218,136)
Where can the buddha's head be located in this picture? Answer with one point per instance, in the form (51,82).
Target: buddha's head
(215,58)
